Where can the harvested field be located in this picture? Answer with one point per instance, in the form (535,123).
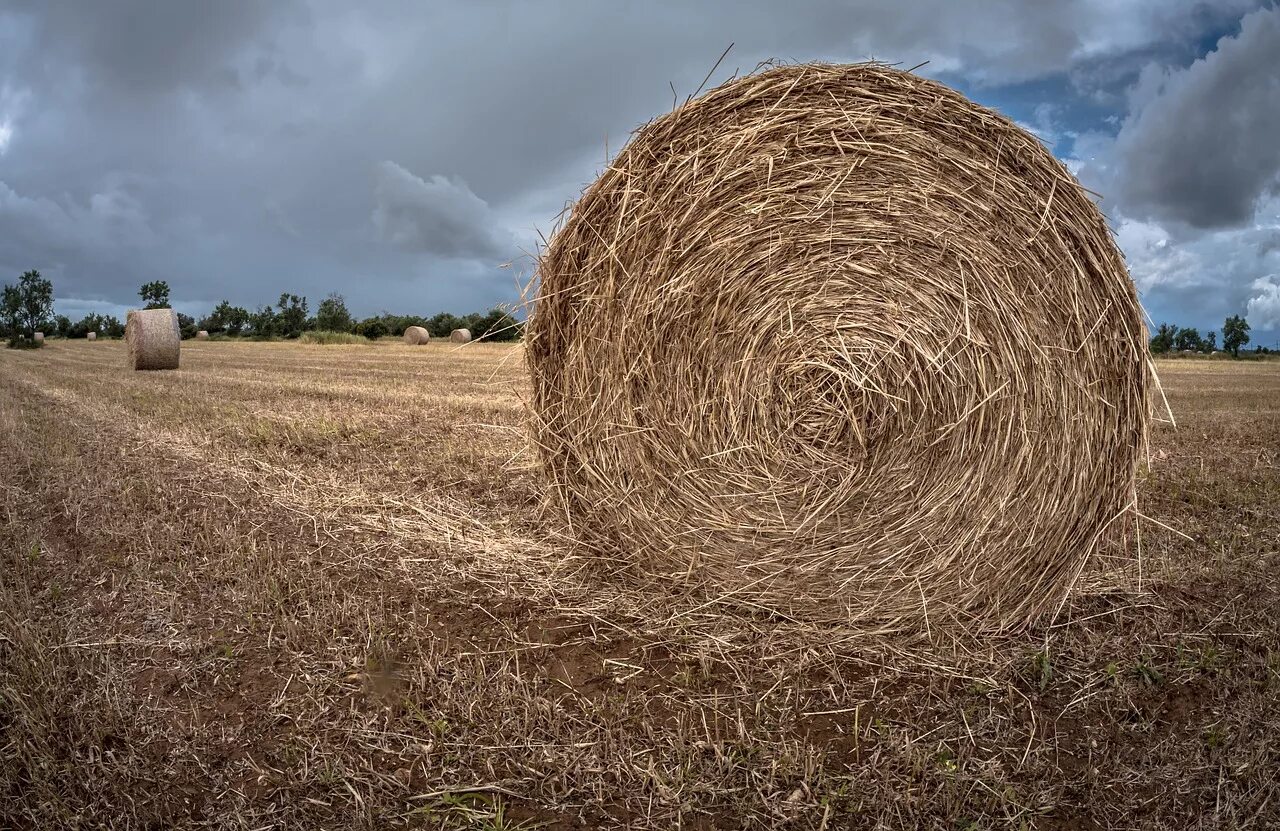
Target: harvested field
(305,586)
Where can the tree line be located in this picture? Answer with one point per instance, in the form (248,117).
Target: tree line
(1172,338)
(27,308)
(291,317)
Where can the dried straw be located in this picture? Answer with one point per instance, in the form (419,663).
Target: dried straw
(836,342)
(154,339)
(202,335)
(460,336)
(416,336)
(92,336)
(39,337)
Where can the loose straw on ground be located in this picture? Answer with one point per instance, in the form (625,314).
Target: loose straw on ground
(154,339)
(416,336)
(835,342)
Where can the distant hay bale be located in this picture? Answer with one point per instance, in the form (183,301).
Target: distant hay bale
(837,343)
(416,336)
(39,337)
(460,336)
(92,336)
(154,339)
(202,335)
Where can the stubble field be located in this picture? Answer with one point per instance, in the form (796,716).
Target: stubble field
(318,587)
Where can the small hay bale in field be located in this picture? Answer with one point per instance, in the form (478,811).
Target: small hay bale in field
(202,335)
(416,336)
(39,337)
(835,341)
(154,339)
(91,336)
(460,336)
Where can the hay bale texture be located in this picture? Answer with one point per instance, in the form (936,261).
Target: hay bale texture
(837,342)
(92,336)
(154,339)
(460,336)
(202,335)
(39,337)
(416,336)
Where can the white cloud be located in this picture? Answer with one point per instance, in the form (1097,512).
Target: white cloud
(13,102)
(438,215)
(1154,259)
(1263,311)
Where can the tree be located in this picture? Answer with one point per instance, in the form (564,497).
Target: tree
(332,316)
(372,328)
(236,319)
(1210,342)
(1235,334)
(1187,340)
(62,325)
(10,308)
(112,327)
(263,322)
(442,325)
(27,306)
(1163,340)
(155,294)
(186,326)
(495,325)
(226,318)
(92,322)
(291,319)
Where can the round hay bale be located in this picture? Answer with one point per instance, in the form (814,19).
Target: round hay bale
(92,336)
(154,339)
(416,336)
(460,336)
(202,335)
(835,341)
(39,337)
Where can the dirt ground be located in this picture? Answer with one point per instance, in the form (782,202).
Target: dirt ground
(317,587)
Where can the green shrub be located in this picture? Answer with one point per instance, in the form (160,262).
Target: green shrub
(372,328)
(322,338)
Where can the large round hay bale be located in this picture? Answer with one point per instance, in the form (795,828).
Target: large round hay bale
(460,336)
(202,335)
(836,342)
(416,336)
(154,339)
(92,336)
(39,337)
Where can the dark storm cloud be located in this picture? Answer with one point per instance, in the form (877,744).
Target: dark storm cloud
(399,152)
(1205,148)
(142,47)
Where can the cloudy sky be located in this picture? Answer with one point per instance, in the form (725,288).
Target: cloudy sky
(408,155)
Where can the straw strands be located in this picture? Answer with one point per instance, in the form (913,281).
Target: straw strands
(416,336)
(154,339)
(39,337)
(460,336)
(92,336)
(837,343)
(202,335)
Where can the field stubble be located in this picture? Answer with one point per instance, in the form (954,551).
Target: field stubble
(310,586)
